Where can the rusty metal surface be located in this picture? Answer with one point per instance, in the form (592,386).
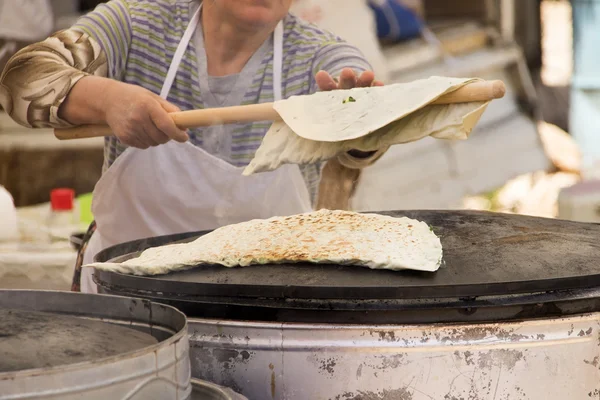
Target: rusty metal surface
(551,359)
(484,254)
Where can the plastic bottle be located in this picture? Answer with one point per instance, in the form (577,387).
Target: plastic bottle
(8,217)
(62,219)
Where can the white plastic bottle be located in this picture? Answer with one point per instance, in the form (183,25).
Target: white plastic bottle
(8,217)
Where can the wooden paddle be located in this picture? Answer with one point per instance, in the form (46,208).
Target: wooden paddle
(477,91)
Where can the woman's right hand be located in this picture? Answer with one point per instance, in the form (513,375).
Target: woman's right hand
(138,117)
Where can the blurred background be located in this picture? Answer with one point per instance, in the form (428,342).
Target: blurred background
(534,152)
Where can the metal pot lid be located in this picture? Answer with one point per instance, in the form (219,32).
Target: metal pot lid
(31,339)
(484,254)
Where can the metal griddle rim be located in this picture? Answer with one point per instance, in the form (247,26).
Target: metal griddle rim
(150,284)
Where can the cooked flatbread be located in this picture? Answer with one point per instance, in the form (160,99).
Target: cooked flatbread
(339,115)
(323,125)
(282,146)
(329,237)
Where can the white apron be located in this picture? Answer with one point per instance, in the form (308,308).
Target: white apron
(177,187)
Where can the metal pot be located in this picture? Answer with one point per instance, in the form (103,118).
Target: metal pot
(552,359)
(68,345)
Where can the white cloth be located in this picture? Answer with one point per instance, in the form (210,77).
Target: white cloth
(26,20)
(178,187)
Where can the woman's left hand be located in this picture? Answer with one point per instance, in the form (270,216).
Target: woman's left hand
(348,79)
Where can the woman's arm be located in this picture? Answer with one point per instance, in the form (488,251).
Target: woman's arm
(62,82)
(36,80)
(66,80)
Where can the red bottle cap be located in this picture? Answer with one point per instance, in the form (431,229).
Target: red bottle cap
(62,199)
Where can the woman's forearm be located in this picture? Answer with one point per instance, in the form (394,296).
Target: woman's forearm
(86,101)
(38,79)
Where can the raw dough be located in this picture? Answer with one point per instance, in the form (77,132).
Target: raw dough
(331,237)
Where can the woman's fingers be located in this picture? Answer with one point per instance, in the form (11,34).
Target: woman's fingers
(165,124)
(168,107)
(325,82)
(154,136)
(365,79)
(347,79)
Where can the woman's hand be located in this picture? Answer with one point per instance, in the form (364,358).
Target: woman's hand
(140,118)
(348,80)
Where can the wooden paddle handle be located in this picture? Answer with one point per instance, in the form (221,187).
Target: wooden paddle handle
(477,91)
(186,119)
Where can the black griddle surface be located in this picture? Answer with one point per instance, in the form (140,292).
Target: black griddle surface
(484,254)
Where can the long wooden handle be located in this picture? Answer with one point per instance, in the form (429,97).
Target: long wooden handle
(477,91)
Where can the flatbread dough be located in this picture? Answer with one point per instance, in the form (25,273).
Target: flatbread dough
(329,237)
(323,125)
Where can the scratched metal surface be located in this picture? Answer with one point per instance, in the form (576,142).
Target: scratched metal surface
(484,254)
(550,359)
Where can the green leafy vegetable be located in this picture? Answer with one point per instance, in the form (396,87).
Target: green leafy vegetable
(350,99)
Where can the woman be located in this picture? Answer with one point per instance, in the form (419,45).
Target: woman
(129,63)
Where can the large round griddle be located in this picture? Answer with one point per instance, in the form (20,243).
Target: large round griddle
(491,261)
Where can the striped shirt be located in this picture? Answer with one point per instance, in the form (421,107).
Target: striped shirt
(140,37)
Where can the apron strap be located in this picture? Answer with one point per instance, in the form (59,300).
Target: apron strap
(185,40)
(278,61)
(178,56)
